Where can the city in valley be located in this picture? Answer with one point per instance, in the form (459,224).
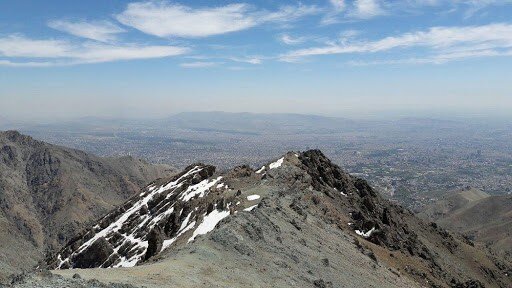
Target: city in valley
(411,160)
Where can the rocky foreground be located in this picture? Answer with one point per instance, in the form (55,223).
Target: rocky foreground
(299,221)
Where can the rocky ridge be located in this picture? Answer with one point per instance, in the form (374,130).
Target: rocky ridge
(253,214)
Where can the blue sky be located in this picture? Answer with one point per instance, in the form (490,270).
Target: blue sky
(62,59)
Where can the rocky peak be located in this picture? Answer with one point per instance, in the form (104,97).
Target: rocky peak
(178,210)
(17,137)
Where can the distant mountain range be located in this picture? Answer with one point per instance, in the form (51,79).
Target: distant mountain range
(484,218)
(49,193)
(254,123)
(241,123)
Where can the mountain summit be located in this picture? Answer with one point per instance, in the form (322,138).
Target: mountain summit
(298,221)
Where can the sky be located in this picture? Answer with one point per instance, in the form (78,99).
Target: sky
(353,58)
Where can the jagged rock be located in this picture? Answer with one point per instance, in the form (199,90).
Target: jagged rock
(241,171)
(155,242)
(172,225)
(8,155)
(94,255)
(144,210)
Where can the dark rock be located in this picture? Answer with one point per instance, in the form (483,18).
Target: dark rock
(241,171)
(322,284)
(210,208)
(8,155)
(155,242)
(172,225)
(94,255)
(296,225)
(143,210)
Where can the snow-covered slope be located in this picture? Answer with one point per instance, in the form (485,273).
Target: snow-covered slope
(175,210)
(169,210)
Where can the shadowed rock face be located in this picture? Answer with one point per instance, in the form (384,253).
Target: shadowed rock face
(49,193)
(94,255)
(155,242)
(277,210)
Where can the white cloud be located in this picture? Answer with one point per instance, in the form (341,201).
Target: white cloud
(358,9)
(102,31)
(290,40)
(59,52)
(436,59)
(199,64)
(454,42)
(338,5)
(331,17)
(165,19)
(9,63)
(468,7)
(365,9)
(249,60)
(19,46)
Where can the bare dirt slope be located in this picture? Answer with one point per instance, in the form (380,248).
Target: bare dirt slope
(484,218)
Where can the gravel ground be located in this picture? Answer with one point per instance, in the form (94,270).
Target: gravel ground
(45,279)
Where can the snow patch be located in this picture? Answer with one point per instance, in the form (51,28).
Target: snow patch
(365,234)
(200,189)
(276,164)
(260,170)
(251,207)
(209,222)
(253,197)
(341,192)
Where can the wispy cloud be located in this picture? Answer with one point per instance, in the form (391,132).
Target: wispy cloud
(436,59)
(452,42)
(468,7)
(331,17)
(103,31)
(341,10)
(59,52)
(249,60)
(338,5)
(165,19)
(347,11)
(199,64)
(473,6)
(365,9)
(290,40)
